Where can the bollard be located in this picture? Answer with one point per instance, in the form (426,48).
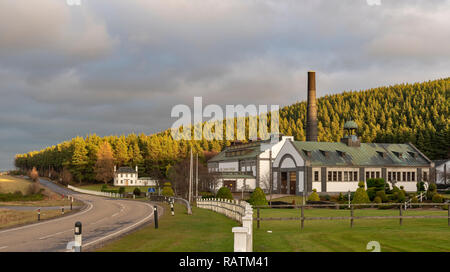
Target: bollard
(71,203)
(62,210)
(171,208)
(39,214)
(155,215)
(78,237)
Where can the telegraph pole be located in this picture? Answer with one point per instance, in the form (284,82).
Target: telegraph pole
(196,179)
(190,178)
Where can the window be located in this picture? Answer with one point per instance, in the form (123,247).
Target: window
(316,175)
(389,176)
(404,176)
(339,176)
(367,175)
(413,176)
(334,176)
(355,176)
(345,176)
(378,174)
(409,176)
(399,176)
(329,176)
(425,176)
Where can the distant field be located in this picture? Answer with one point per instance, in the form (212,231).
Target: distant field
(98,187)
(289,199)
(10,184)
(10,218)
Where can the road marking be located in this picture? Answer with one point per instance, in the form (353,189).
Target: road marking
(48,236)
(122,230)
(50,221)
(3,247)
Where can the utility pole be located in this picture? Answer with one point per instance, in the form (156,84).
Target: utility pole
(190,178)
(270,176)
(196,179)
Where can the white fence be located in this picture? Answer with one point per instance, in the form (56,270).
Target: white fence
(240,211)
(97,193)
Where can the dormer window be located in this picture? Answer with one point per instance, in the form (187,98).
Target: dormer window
(341,153)
(325,153)
(382,154)
(307,152)
(413,154)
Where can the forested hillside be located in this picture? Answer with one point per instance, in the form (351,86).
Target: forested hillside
(417,113)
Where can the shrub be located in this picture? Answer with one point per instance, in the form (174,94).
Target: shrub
(224,193)
(437,198)
(341,197)
(206,195)
(387,189)
(414,199)
(137,191)
(314,196)
(104,188)
(258,197)
(167,189)
(420,186)
(360,196)
(401,197)
(372,193)
(395,189)
(382,195)
(377,200)
(121,190)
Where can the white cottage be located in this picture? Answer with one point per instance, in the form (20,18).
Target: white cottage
(127,176)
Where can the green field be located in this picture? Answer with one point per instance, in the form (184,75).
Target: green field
(337,236)
(211,232)
(9,184)
(204,231)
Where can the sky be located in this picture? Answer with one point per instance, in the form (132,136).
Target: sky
(119,66)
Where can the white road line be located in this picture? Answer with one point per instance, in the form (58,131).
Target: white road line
(48,236)
(3,247)
(50,221)
(122,230)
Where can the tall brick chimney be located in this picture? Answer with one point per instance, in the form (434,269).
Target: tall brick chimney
(311,114)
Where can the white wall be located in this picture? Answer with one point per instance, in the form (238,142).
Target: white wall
(340,186)
(440,173)
(317,186)
(288,148)
(408,186)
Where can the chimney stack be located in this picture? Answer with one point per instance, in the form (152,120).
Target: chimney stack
(311,114)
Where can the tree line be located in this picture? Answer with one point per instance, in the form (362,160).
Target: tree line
(416,113)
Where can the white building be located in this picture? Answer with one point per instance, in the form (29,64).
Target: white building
(127,176)
(245,166)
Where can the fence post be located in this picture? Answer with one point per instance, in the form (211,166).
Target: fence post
(448,209)
(78,237)
(400,211)
(303,216)
(240,239)
(351,216)
(257,218)
(247,222)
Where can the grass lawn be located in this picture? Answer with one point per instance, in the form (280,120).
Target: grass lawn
(204,231)
(336,235)
(10,184)
(10,218)
(98,187)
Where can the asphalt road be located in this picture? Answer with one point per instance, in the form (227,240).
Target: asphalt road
(102,219)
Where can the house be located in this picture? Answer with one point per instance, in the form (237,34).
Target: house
(127,176)
(245,166)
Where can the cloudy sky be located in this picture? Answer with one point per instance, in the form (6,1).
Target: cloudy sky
(119,66)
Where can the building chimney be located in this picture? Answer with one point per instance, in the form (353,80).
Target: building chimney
(311,113)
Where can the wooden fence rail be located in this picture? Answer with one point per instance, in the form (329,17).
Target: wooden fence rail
(352,217)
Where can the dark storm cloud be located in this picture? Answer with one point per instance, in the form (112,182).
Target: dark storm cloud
(113,67)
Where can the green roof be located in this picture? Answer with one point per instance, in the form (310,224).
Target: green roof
(250,150)
(368,154)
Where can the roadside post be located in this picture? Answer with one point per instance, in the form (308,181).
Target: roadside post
(155,214)
(171,207)
(71,202)
(39,214)
(78,238)
(62,210)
